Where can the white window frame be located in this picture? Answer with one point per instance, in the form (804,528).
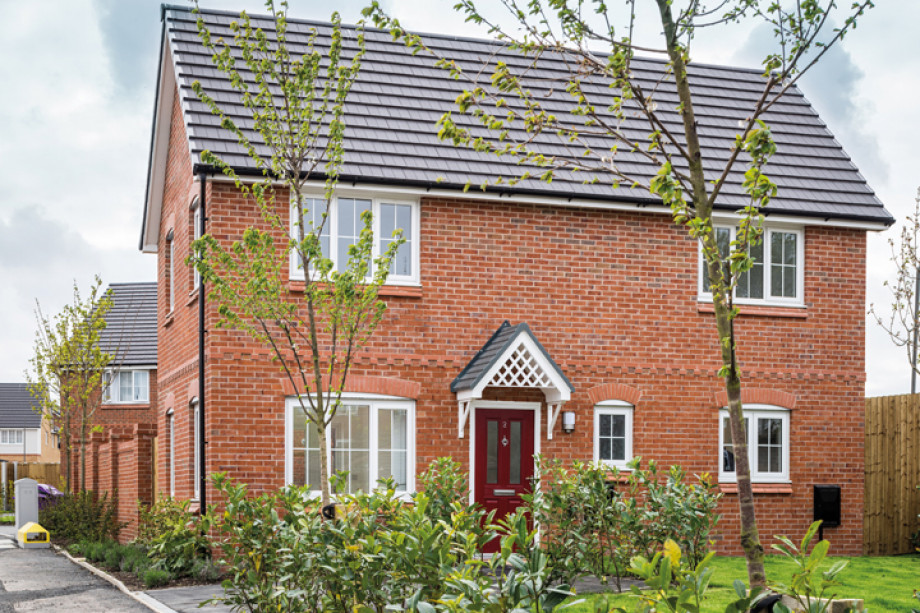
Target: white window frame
(297,272)
(112,392)
(754,412)
(196,452)
(614,407)
(171,456)
(375,402)
(12,433)
(704,295)
(196,234)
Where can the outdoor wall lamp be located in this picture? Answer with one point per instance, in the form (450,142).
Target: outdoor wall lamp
(568,421)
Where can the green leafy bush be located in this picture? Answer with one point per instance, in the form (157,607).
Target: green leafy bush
(82,516)
(175,539)
(596,519)
(810,588)
(155,577)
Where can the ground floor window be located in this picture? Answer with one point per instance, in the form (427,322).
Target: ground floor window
(10,437)
(767,430)
(613,432)
(370,438)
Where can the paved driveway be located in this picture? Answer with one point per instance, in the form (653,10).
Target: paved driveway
(40,580)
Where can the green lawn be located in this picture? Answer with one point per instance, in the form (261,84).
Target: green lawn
(885,583)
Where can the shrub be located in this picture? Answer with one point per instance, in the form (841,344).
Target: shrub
(155,577)
(175,539)
(205,570)
(81,517)
(597,519)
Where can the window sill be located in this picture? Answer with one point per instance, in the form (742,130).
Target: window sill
(400,291)
(192,297)
(758,488)
(796,312)
(125,405)
(167,321)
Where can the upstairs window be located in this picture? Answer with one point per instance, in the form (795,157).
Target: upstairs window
(10,437)
(127,386)
(767,430)
(776,275)
(342,227)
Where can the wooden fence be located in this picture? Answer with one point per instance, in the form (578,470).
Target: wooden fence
(892,500)
(41,472)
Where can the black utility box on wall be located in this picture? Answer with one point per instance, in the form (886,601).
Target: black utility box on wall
(827,505)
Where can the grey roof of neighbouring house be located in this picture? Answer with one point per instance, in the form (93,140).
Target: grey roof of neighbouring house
(492,351)
(131,324)
(392,109)
(16,407)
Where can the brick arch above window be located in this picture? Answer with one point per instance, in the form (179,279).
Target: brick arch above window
(385,386)
(758,395)
(615,391)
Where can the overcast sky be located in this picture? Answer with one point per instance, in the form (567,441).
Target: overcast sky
(76,106)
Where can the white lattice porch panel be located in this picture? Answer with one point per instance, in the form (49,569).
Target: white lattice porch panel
(521,369)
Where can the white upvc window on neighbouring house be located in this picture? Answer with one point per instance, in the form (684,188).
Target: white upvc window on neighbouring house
(767,430)
(11,437)
(613,433)
(196,451)
(171,456)
(777,274)
(127,386)
(371,437)
(196,234)
(341,226)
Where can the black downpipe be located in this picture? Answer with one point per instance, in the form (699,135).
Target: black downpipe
(202,442)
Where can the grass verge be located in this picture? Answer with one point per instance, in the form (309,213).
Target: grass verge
(885,583)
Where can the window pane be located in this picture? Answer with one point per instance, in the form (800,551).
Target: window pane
(393,217)
(776,281)
(299,438)
(789,283)
(605,452)
(492,451)
(514,475)
(789,248)
(313,467)
(300,467)
(723,240)
(750,284)
(392,442)
(4,437)
(141,383)
(619,449)
(314,209)
(350,441)
(125,387)
(349,226)
(606,425)
(619,426)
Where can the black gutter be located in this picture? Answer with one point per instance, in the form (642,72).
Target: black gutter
(202,440)
(508,192)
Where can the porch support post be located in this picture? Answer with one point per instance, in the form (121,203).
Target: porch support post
(463,415)
(552,414)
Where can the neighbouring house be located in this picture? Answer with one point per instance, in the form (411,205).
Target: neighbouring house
(24,435)
(516,309)
(120,445)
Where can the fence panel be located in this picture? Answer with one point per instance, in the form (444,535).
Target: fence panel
(892,500)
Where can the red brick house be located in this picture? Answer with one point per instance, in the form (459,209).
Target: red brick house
(515,311)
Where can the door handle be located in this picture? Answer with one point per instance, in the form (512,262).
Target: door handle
(504,493)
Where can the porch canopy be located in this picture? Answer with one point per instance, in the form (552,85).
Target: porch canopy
(512,358)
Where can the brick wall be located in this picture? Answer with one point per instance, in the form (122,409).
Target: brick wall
(611,295)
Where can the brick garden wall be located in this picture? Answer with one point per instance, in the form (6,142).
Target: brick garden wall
(611,295)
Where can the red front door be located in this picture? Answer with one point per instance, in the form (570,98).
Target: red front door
(504,460)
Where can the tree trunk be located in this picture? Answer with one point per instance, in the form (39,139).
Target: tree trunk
(83,456)
(322,434)
(750,537)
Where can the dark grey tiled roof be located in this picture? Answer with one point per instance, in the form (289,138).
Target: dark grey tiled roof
(16,407)
(392,110)
(131,324)
(486,357)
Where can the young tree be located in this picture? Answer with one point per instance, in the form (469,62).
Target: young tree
(903,322)
(68,376)
(517,118)
(296,104)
